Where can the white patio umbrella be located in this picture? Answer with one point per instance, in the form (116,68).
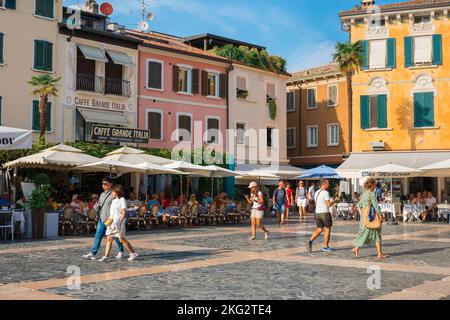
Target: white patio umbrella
(111,166)
(256,175)
(13,138)
(219,172)
(441,168)
(135,156)
(60,157)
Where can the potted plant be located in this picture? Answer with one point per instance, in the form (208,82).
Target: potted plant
(242,94)
(272,104)
(38,201)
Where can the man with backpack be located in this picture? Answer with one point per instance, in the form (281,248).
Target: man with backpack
(279,200)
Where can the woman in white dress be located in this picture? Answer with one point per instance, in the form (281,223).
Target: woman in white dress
(257,200)
(117,228)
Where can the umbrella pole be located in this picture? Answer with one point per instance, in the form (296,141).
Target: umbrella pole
(187,187)
(212,186)
(181,190)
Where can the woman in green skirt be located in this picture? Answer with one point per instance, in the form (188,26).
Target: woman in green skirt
(370,237)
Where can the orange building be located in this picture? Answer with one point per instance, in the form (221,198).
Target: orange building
(317,117)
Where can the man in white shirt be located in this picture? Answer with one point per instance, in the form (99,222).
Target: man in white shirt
(430,205)
(310,196)
(323,216)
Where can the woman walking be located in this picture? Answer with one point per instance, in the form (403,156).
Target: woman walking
(116,224)
(369,231)
(257,199)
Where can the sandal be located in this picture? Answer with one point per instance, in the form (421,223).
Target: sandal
(383,256)
(355,253)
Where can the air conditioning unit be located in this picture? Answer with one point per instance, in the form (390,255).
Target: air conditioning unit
(377,146)
(114,27)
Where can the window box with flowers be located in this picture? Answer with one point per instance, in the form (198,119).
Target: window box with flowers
(242,94)
(272,104)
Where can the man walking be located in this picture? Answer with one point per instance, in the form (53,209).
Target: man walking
(105,204)
(323,216)
(280,200)
(310,196)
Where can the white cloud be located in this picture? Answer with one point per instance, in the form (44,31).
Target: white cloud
(310,54)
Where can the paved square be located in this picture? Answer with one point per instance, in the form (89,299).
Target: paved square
(222,263)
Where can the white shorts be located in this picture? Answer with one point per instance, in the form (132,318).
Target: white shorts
(257,214)
(302,203)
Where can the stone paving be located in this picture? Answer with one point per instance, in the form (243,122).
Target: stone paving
(222,263)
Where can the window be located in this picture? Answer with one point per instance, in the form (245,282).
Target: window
(377,22)
(374,112)
(377,56)
(269,141)
(290,138)
(212,84)
(333,95)
(240,133)
(184,80)
(36,116)
(2,4)
(311,97)
(270,92)
(43,55)
(213,130)
(184,126)
(1,47)
(312,133)
(290,101)
(44,8)
(8,4)
(422,50)
(1,109)
(333,134)
(423,109)
(241,88)
(422,19)
(154,124)
(155,75)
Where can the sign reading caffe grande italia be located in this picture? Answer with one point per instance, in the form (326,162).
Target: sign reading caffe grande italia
(113,134)
(100,104)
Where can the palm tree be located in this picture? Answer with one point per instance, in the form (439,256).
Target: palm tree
(349,57)
(44,86)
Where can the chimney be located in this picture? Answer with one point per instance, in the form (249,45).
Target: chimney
(92,6)
(367,3)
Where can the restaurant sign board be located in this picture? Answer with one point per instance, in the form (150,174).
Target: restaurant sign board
(115,134)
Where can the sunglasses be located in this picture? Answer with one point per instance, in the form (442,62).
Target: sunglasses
(105,183)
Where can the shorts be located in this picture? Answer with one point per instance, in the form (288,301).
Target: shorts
(280,208)
(302,203)
(257,214)
(324,220)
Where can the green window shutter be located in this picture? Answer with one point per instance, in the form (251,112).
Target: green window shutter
(48,117)
(437,49)
(1,47)
(382,111)
(39,55)
(48,56)
(365,54)
(391,52)
(424,109)
(35,116)
(45,8)
(10,4)
(365,112)
(409,53)
(1,106)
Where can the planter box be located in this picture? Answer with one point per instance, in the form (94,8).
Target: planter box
(51,224)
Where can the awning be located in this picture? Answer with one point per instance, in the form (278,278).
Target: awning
(120,58)
(416,160)
(103,117)
(93,53)
(12,138)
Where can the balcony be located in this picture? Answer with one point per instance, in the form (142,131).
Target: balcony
(422,29)
(90,82)
(118,87)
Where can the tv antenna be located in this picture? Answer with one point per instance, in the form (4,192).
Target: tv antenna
(146,15)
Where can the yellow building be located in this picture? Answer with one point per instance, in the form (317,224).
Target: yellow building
(400,101)
(28,47)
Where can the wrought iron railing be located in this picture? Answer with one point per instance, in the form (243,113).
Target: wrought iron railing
(90,82)
(118,87)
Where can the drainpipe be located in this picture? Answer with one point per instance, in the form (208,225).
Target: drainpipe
(300,130)
(230,181)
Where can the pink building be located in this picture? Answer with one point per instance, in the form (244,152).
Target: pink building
(182,93)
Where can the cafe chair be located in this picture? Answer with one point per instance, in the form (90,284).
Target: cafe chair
(91,223)
(7,223)
(220,215)
(212,214)
(193,217)
(141,221)
(67,221)
(152,218)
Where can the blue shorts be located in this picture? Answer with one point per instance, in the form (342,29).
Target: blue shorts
(280,208)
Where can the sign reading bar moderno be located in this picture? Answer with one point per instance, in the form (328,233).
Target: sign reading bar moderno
(112,134)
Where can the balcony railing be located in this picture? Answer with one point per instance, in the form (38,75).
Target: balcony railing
(90,82)
(118,87)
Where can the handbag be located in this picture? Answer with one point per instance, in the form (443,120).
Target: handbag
(376,223)
(108,222)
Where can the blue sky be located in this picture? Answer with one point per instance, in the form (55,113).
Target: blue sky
(302,31)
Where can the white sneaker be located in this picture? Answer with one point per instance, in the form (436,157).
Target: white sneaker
(89,256)
(266,235)
(103,259)
(133,256)
(120,256)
